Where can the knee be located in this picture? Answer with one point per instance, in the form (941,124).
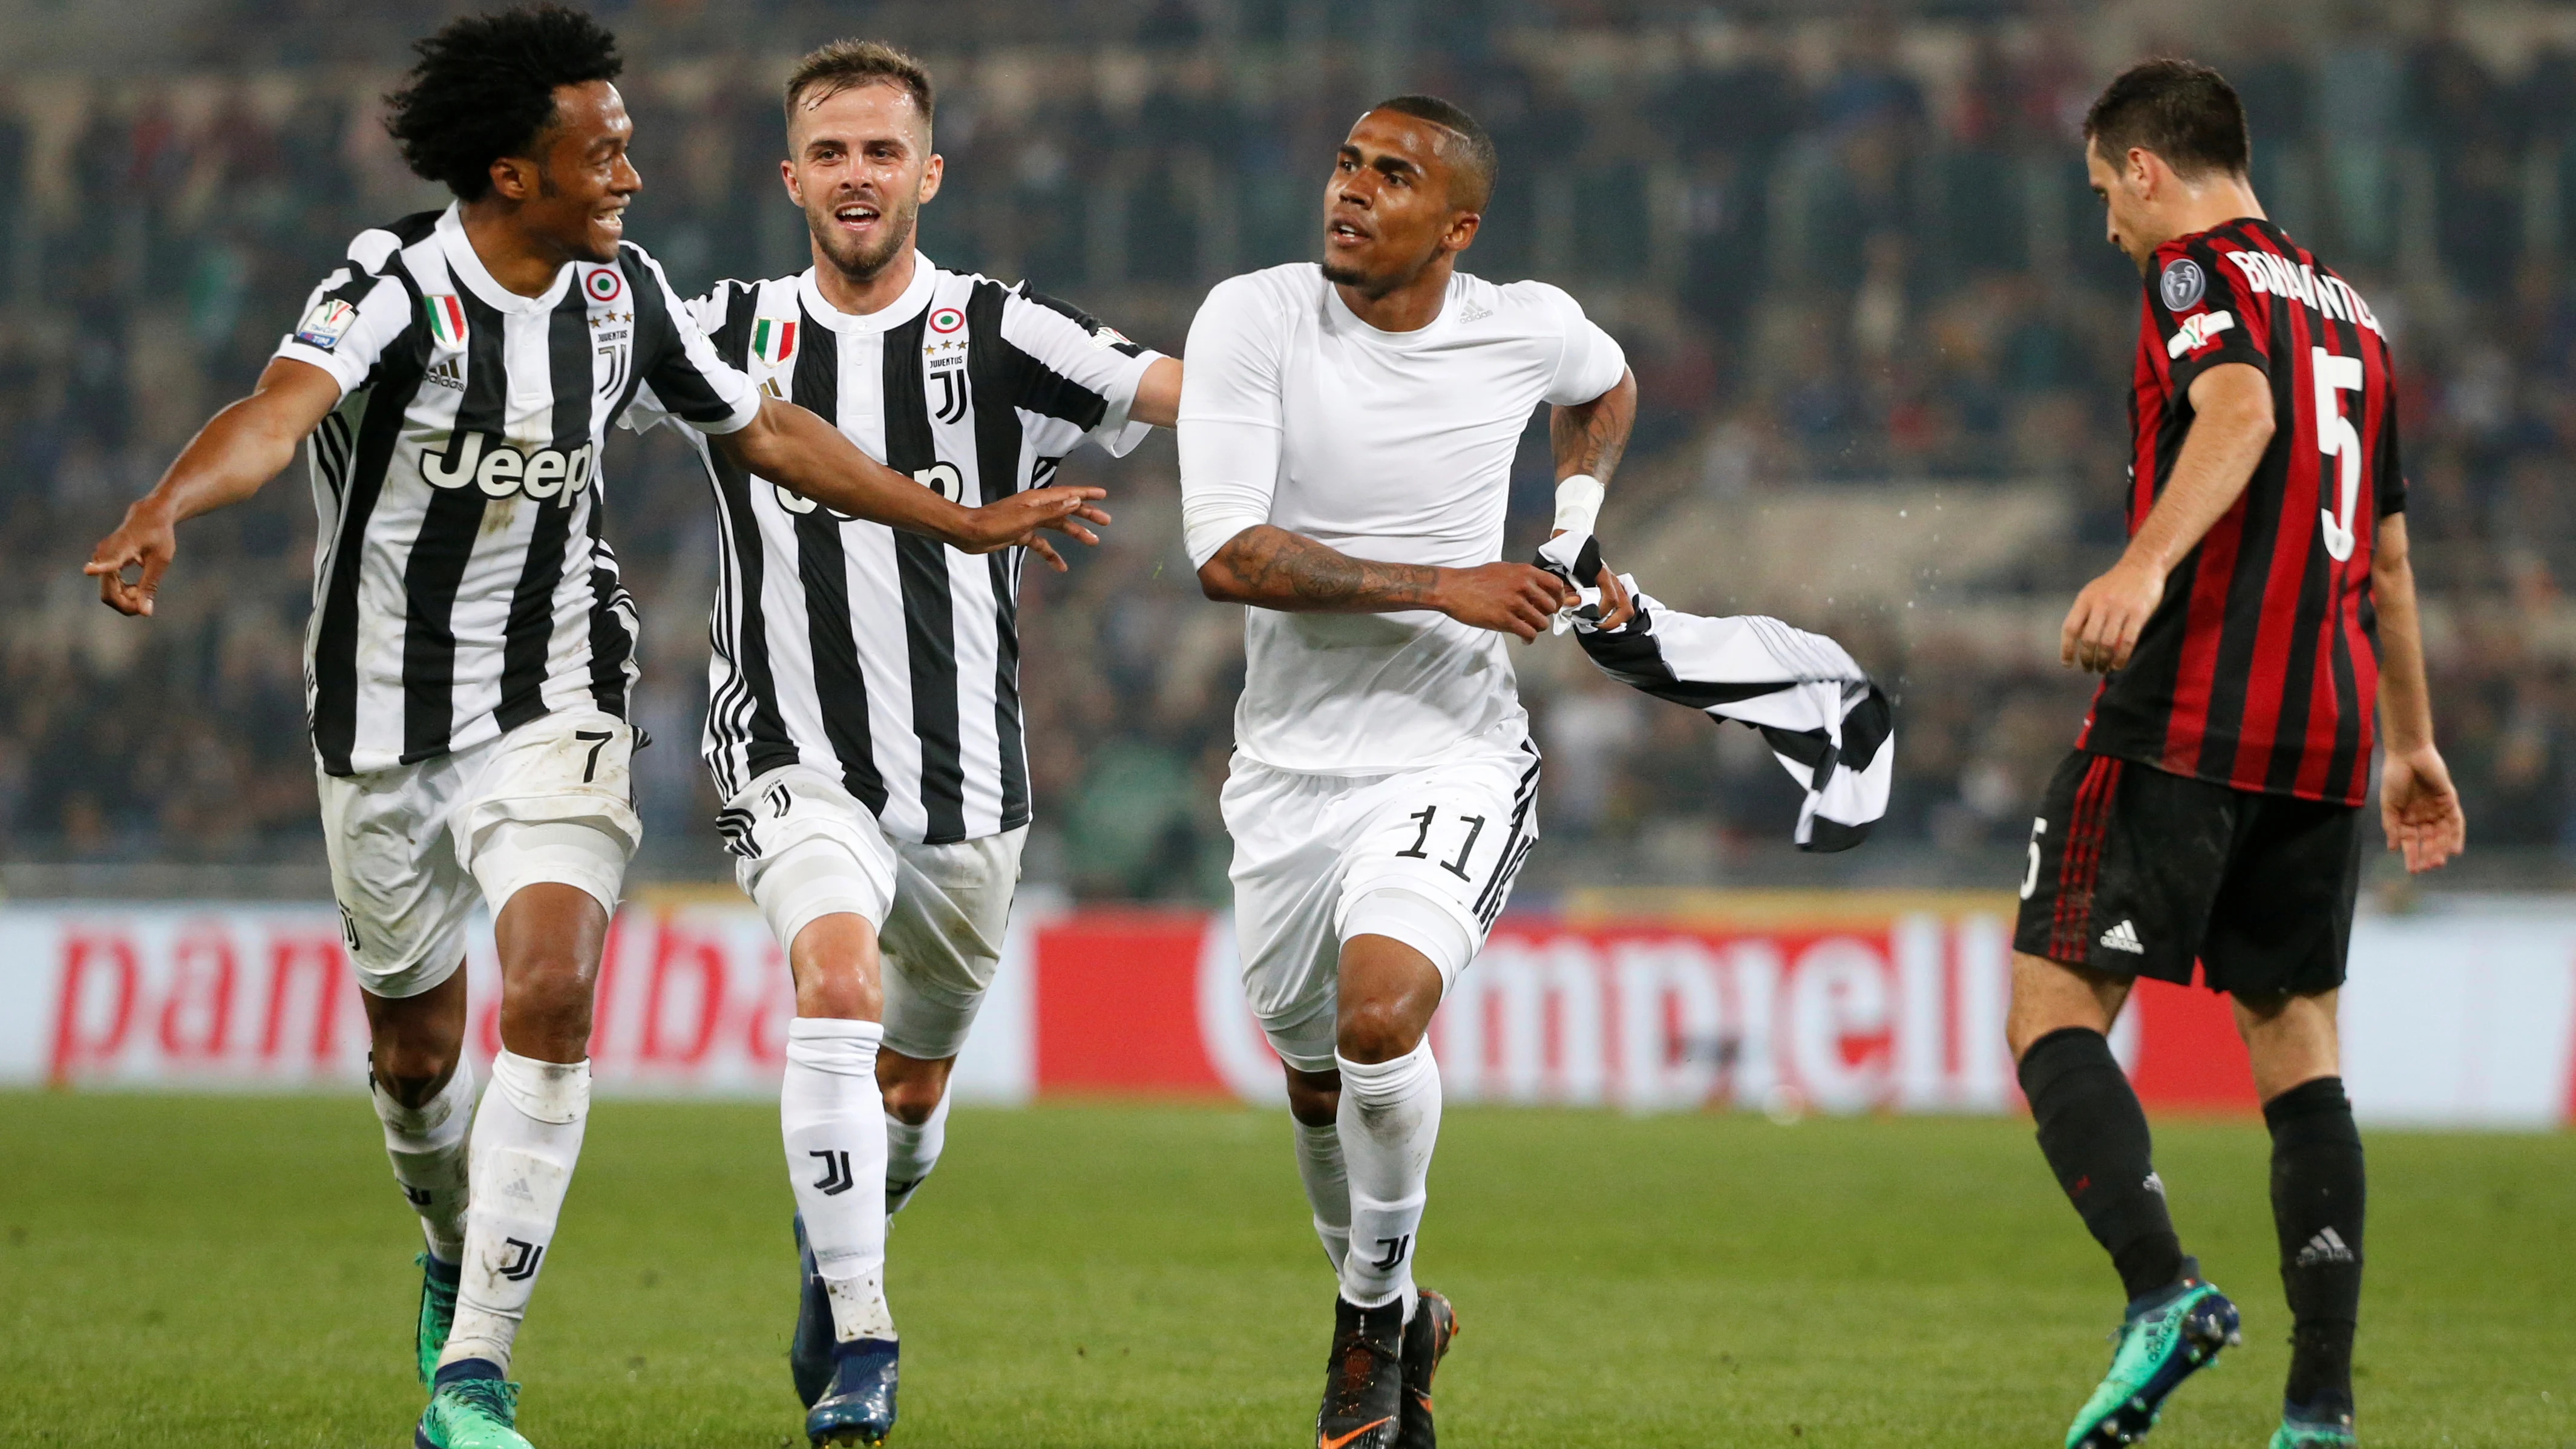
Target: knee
(842,990)
(1314,1098)
(911,1100)
(1376,1031)
(550,997)
(410,1073)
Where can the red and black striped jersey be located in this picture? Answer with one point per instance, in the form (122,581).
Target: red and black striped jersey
(2260,669)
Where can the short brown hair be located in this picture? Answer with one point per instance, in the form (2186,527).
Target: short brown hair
(2181,110)
(847,64)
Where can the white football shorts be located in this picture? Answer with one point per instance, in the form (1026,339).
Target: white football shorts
(414,847)
(1426,856)
(806,848)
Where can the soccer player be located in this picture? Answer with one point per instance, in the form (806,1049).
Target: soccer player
(471,649)
(2211,810)
(864,717)
(1346,441)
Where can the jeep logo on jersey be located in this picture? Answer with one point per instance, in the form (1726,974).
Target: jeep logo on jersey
(942,479)
(501,468)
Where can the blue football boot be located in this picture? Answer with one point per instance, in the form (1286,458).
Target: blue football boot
(809,1353)
(2162,1343)
(857,1407)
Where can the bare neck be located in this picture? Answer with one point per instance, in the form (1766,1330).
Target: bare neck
(2214,202)
(860,296)
(519,261)
(1410,305)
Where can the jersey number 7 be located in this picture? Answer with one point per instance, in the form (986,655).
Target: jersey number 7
(2336,439)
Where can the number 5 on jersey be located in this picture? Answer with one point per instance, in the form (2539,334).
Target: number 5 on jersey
(2337,439)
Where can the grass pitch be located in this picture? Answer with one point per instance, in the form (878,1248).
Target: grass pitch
(236,1271)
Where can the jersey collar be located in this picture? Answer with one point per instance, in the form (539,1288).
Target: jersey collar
(468,269)
(925,279)
(1341,320)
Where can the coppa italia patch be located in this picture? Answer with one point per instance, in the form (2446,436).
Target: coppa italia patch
(446,320)
(326,324)
(603,284)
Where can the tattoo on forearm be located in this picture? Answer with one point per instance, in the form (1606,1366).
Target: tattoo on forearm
(1589,438)
(1287,571)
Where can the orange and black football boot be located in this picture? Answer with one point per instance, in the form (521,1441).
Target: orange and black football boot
(1364,1380)
(1426,1342)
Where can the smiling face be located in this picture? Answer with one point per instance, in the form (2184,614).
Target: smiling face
(573,188)
(1389,210)
(860,164)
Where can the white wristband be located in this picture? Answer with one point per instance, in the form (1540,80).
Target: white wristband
(1578,503)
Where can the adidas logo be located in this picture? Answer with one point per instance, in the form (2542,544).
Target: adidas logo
(2326,1247)
(446,373)
(1474,312)
(2155,1183)
(2124,937)
(518,1188)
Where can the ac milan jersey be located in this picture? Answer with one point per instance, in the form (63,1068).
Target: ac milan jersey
(460,585)
(2261,667)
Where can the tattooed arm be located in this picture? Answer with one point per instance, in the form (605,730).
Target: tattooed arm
(1590,437)
(1270,568)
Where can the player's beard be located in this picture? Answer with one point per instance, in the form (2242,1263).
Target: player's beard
(859,261)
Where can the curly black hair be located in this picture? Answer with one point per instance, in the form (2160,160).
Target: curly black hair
(484,89)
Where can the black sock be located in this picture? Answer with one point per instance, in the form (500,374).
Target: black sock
(2317,1201)
(2095,1136)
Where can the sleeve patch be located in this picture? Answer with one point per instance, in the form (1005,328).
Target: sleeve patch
(2197,331)
(2182,285)
(326,324)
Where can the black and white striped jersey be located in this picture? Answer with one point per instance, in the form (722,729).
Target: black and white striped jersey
(885,657)
(460,584)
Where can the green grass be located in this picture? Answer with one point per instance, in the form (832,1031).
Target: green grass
(233,1271)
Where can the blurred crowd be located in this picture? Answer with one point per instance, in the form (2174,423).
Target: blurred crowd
(1844,255)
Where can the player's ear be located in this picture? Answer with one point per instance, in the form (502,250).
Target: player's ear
(1462,230)
(930,175)
(512,178)
(787,175)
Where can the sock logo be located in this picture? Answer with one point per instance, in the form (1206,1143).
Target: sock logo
(419,1197)
(836,1177)
(1396,1247)
(896,1192)
(524,1258)
(2155,1183)
(2124,937)
(2326,1247)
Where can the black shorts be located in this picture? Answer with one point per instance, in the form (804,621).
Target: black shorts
(2137,872)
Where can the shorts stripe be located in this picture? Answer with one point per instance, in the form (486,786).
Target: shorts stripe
(2080,865)
(1507,860)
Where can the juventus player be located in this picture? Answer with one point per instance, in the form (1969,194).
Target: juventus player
(1346,441)
(864,715)
(471,650)
(2211,810)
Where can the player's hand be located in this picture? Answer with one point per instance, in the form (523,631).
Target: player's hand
(1511,598)
(2420,809)
(2108,616)
(146,540)
(1017,522)
(1616,607)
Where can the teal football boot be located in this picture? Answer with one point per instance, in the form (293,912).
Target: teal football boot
(437,1312)
(2159,1346)
(2303,1430)
(470,1413)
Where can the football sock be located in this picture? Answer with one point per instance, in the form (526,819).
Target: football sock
(911,1152)
(1328,1186)
(527,1136)
(834,1122)
(427,1146)
(2317,1201)
(1388,1123)
(2094,1134)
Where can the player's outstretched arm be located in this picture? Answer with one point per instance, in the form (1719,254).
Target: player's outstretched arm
(1271,568)
(1588,440)
(1158,395)
(2418,806)
(788,445)
(2231,426)
(239,449)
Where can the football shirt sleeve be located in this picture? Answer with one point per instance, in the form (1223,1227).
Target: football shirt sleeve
(348,323)
(682,375)
(1230,418)
(1081,370)
(2204,312)
(1590,362)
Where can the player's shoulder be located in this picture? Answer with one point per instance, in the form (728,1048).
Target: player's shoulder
(373,250)
(1544,305)
(1279,290)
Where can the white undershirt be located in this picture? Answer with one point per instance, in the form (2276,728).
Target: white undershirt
(1390,446)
